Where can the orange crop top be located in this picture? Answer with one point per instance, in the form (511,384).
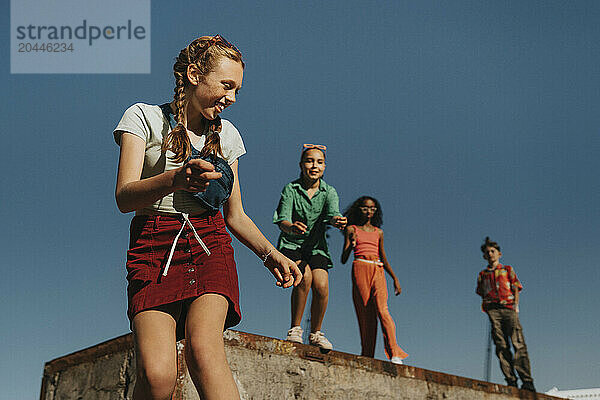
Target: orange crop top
(367,243)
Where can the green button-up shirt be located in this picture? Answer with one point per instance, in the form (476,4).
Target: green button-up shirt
(315,212)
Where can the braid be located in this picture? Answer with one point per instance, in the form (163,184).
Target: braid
(212,145)
(191,50)
(204,53)
(177,140)
(179,98)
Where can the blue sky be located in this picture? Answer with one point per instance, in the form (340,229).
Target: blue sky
(465,119)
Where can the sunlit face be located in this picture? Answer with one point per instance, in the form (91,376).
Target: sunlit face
(368,208)
(312,164)
(492,255)
(216,91)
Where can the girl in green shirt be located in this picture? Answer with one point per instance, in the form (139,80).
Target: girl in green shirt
(306,206)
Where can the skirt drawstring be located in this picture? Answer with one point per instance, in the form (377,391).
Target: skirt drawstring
(186,220)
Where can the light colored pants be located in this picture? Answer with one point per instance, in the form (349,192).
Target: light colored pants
(369,292)
(506,328)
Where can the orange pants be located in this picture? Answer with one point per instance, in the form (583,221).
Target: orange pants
(369,292)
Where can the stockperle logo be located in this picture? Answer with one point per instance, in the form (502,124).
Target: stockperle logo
(70,36)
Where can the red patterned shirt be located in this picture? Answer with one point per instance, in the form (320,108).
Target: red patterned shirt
(496,286)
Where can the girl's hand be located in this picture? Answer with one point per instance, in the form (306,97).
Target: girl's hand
(299,228)
(284,270)
(397,288)
(195,175)
(338,222)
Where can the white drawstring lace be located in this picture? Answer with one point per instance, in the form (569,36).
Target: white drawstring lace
(370,261)
(186,220)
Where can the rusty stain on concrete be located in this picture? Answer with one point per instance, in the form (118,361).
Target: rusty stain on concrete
(259,365)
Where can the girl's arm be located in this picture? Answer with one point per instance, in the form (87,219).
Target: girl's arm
(283,214)
(133,194)
(296,227)
(244,229)
(349,243)
(332,205)
(387,266)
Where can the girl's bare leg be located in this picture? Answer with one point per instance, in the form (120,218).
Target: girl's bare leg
(320,288)
(299,295)
(205,349)
(156,355)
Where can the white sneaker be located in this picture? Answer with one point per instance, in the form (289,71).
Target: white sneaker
(396,360)
(318,339)
(295,334)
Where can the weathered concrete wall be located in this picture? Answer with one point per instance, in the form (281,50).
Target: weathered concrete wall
(266,368)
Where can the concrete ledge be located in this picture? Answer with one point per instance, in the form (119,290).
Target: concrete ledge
(267,368)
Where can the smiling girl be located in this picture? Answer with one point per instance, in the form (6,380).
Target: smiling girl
(306,206)
(182,279)
(369,289)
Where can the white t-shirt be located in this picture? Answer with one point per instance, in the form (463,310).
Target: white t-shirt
(149,123)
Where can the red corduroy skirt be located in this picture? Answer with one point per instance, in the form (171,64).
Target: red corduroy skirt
(192,272)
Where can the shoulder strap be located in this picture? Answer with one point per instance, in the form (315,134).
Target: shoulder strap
(168,113)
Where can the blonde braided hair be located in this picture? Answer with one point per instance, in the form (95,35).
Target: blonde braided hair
(204,53)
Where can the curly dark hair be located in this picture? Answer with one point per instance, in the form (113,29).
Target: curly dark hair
(355,216)
(489,243)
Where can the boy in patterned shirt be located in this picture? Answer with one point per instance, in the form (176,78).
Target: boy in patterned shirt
(499,288)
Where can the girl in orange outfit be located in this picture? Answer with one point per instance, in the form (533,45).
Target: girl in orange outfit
(369,290)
